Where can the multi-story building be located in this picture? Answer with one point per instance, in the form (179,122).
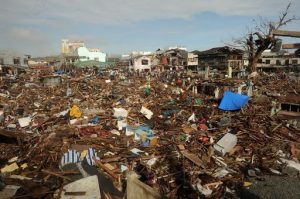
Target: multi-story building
(282,60)
(221,58)
(172,58)
(192,61)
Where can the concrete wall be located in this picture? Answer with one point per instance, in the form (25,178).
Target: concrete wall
(139,65)
(51,80)
(8,58)
(69,46)
(86,55)
(192,59)
(276,61)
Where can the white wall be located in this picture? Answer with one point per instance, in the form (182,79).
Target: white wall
(138,65)
(192,59)
(8,58)
(273,61)
(86,55)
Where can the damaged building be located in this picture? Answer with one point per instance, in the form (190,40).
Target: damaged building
(221,58)
(75,51)
(172,58)
(12,58)
(141,63)
(138,61)
(192,62)
(278,61)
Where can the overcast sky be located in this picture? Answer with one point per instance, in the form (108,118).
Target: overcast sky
(36,27)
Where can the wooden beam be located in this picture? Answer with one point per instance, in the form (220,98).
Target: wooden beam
(286,33)
(290,46)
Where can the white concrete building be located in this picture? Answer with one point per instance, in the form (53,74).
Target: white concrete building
(281,59)
(192,59)
(86,54)
(142,63)
(8,57)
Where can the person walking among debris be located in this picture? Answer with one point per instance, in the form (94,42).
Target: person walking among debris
(111,75)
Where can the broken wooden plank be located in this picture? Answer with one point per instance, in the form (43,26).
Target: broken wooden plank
(192,157)
(55,174)
(78,193)
(286,33)
(106,169)
(113,159)
(290,46)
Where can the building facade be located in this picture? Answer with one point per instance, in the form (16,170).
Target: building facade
(281,60)
(142,63)
(221,58)
(75,51)
(70,46)
(172,58)
(192,61)
(86,54)
(13,58)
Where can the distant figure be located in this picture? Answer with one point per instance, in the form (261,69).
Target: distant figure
(111,75)
(243,72)
(0,73)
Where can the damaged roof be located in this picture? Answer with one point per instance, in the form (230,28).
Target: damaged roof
(218,50)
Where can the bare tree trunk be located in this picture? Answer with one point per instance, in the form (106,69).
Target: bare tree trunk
(253,64)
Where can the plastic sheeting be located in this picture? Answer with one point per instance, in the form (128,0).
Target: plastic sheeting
(232,101)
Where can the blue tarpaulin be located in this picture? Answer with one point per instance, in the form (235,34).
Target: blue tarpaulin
(232,101)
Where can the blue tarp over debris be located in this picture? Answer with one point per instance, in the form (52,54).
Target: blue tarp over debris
(232,101)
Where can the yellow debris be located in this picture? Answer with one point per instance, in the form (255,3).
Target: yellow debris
(247,184)
(24,166)
(10,168)
(83,154)
(75,112)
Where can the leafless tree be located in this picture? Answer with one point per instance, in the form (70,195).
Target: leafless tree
(262,38)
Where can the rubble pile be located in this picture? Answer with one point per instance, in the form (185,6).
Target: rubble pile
(143,136)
